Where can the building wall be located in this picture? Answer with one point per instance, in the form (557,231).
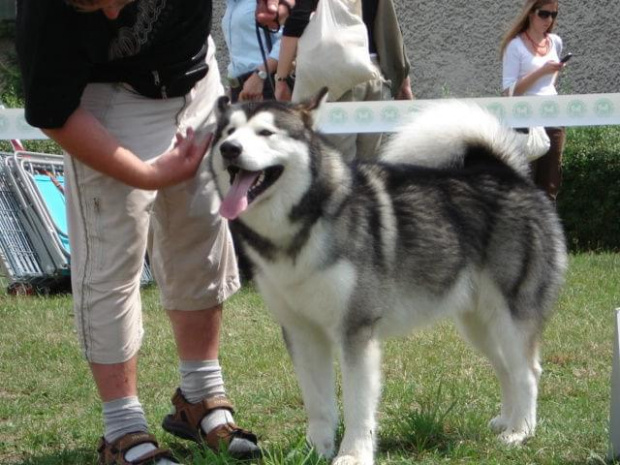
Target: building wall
(453,45)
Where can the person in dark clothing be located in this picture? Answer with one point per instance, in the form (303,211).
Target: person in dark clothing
(126,88)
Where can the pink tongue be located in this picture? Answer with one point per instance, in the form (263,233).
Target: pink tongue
(236,201)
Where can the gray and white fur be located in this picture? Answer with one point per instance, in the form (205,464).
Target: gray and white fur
(445,224)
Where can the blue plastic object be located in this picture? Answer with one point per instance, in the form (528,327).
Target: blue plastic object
(55,202)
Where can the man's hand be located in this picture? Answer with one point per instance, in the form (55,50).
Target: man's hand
(283,91)
(252,89)
(273,13)
(87,140)
(181,162)
(405,92)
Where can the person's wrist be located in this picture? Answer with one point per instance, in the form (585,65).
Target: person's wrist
(148,176)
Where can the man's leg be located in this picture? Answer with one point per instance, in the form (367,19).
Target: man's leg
(202,396)
(108,222)
(122,412)
(195,268)
(117,380)
(197,333)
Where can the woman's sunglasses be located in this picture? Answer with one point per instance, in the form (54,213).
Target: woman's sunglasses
(544,14)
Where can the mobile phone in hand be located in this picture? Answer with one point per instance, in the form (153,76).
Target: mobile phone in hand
(566,57)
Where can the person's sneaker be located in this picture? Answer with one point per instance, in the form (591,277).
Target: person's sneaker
(185,422)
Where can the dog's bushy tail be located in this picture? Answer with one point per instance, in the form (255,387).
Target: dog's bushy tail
(440,135)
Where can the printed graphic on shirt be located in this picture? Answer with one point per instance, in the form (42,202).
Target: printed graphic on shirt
(130,40)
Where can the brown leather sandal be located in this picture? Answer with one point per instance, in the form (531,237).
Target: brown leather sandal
(113,453)
(185,423)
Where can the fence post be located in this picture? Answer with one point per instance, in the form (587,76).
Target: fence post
(614,421)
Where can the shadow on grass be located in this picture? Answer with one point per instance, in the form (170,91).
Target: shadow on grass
(294,453)
(85,456)
(427,428)
(423,430)
(190,455)
(428,435)
(431,431)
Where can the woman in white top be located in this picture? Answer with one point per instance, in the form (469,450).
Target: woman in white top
(531,63)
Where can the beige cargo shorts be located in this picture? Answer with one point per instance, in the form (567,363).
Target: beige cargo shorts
(110,223)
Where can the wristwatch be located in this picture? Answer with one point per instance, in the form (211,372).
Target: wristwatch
(280,78)
(261,74)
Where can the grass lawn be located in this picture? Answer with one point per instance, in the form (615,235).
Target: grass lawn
(438,394)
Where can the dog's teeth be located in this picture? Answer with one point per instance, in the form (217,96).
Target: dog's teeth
(260,179)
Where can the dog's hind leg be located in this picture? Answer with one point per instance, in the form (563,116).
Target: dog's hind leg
(522,358)
(361,388)
(478,334)
(508,346)
(311,352)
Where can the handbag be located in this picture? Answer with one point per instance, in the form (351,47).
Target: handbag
(333,52)
(536,142)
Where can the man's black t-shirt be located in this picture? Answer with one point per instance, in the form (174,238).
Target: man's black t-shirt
(156,46)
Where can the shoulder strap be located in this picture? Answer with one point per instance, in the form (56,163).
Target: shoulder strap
(268,40)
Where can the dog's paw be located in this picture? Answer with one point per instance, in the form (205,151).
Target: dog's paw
(350,460)
(513,438)
(322,440)
(324,449)
(498,424)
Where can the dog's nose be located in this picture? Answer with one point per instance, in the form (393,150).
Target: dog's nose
(230,150)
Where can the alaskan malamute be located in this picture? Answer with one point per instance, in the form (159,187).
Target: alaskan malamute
(445,223)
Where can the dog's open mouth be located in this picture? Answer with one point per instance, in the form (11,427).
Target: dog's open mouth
(245,186)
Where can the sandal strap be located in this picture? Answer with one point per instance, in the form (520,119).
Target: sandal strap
(113,453)
(194,413)
(153,456)
(225,433)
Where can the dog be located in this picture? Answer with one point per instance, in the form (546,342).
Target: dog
(446,223)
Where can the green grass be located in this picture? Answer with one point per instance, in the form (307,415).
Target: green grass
(438,394)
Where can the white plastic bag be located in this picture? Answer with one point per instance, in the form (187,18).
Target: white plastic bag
(537,142)
(333,51)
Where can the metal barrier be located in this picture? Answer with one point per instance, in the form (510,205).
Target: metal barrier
(34,243)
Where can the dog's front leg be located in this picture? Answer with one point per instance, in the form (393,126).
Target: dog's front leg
(311,352)
(361,387)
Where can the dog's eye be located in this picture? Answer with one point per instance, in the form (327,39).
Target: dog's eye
(230,131)
(266,133)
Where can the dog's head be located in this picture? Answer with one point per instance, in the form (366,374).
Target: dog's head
(261,154)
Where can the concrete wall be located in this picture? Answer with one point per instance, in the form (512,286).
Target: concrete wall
(453,45)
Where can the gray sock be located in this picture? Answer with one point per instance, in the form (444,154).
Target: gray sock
(201,379)
(122,416)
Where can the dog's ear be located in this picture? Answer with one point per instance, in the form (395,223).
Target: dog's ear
(311,106)
(318,99)
(223,103)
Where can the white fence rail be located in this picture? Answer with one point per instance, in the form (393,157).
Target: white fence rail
(387,116)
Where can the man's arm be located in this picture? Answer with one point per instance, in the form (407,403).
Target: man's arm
(288,51)
(86,139)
